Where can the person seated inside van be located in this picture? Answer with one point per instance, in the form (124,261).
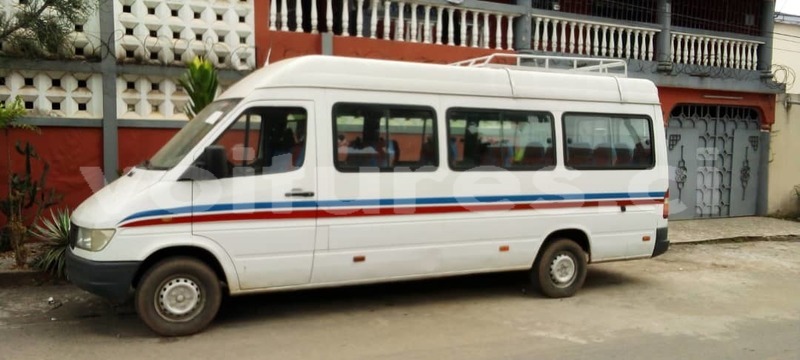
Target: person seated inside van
(342,145)
(299,147)
(279,148)
(428,152)
(361,154)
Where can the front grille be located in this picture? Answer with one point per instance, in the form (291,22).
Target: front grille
(73,235)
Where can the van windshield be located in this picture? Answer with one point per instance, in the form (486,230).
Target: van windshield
(188,137)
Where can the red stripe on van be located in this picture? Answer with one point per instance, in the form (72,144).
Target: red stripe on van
(282,214)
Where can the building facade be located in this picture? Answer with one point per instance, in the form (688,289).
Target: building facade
(784,165)
(711,61)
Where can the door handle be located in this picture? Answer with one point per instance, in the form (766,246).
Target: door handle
(300,194)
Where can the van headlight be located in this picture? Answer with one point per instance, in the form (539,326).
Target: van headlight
(93,239)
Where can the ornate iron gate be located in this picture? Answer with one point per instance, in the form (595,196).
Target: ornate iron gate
(714,161)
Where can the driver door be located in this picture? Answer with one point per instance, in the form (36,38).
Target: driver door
(263,211)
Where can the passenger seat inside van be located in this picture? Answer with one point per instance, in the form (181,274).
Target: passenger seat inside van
(579,154)
(534,155)
(602,155)
(624,154)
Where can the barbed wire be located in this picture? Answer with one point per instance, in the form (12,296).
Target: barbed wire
(783,74)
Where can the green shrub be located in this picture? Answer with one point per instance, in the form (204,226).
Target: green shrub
(54,231)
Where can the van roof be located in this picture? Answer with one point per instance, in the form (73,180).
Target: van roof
(319,71)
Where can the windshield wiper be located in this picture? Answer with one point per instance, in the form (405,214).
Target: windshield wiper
(147,165)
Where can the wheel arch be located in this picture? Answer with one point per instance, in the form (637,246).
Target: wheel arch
(224,270)
(578,235)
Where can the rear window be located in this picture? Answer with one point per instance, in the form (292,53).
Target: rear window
(600,142)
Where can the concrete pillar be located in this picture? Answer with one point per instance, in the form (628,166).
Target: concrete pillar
(108,68)
(522,27)
(327,43)
(767,27)
(664,38)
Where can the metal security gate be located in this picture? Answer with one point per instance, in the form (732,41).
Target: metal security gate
(714,161)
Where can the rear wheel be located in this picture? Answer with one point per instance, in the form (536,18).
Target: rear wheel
(178,296)
(561,269)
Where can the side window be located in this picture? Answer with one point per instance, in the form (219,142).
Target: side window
(595,141)
(511,140)
(265,140)
(384,137)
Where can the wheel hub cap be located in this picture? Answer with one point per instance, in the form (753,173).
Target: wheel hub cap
(562,270)
(177,298)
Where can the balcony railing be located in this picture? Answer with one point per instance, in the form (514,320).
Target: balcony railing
(488,25)
(592,38)
(708,50)
(417,21)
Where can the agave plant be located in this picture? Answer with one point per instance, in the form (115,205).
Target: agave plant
(201,83)
(55,232)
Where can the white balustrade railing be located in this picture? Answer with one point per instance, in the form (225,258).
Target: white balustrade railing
(708,50)
(592,38)
(395,20)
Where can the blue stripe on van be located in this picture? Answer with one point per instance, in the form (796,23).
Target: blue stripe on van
(384,202)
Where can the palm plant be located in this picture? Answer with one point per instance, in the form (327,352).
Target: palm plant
(201,84)
(55,232)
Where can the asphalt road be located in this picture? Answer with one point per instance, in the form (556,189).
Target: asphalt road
(710,301)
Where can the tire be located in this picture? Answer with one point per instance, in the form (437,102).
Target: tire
(551,272)
(178,296)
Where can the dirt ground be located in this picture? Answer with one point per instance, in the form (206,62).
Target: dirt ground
(705,301)
(7,262)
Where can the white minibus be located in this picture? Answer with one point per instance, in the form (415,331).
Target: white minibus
(323,171)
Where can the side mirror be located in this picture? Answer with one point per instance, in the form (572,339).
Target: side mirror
(212,164)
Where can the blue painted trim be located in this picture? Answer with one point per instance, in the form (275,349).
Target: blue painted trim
(389,202)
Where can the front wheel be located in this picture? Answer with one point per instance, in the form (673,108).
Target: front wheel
(178,296)
(561,270)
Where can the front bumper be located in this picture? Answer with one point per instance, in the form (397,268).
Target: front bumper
(109,279)
(662,241)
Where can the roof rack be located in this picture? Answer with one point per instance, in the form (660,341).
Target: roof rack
(599,66)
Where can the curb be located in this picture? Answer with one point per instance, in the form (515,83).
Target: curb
(741,239)
(22,278)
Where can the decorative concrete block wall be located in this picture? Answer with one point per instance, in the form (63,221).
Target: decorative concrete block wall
(146,33)
(55,94)
(174,32)
(150,98)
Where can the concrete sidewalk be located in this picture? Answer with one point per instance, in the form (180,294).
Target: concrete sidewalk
(683,231)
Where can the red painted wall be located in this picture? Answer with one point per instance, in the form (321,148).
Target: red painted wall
(765,103)
(74,155)
(284,45)
(139,144)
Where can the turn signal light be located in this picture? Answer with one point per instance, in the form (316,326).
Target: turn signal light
(665,214)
